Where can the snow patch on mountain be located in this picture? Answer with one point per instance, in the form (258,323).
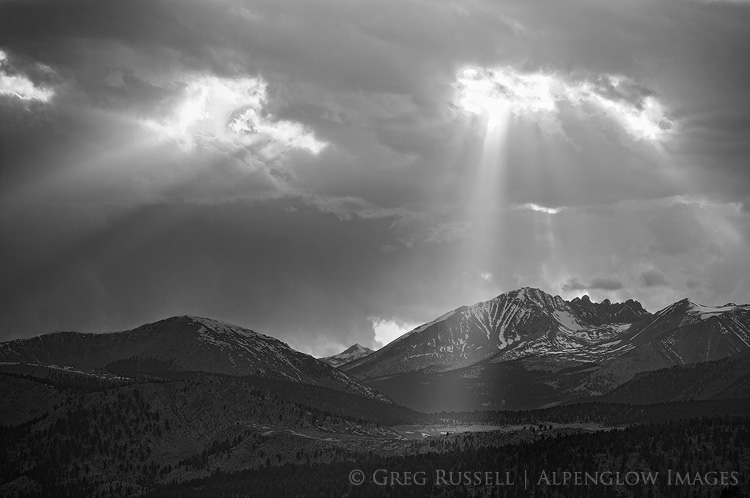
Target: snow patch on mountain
(566,319)
(708,311)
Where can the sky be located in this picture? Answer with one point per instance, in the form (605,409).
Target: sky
(335,172)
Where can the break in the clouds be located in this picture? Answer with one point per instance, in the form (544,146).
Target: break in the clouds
(334,173)
(505,90)
(540,209)
(231,111)
(18,85)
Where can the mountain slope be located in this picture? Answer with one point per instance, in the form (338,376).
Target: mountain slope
(513,325)
(183,343)
(350,354)
(728,378)
(680,334)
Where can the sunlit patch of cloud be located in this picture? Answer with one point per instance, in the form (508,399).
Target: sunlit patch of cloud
(387,331)
(540,209)
(19,85)
(706,203)
(232,111)
(503,90)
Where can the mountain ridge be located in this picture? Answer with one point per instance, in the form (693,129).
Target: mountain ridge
(523,315)
(552,349)
(185,343)
(522,339)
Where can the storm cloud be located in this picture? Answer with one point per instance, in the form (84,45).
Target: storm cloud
(653,278)
(314,171)
(598,283)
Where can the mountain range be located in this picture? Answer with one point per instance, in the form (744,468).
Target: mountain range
(520,350)
(526,349)
(188,406)
(182,343)
(525,322)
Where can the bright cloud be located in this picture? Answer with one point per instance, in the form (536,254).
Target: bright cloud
(387,331)
(19,86)
(504,90)
(645,122)
(541,209)
(232,111)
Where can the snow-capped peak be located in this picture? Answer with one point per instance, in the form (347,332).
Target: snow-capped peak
(350,354)
(356,348)
(538,297)
(708,311)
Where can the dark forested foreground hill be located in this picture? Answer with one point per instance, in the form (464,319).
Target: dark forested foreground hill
(708,457)
(103,434)
(721,379)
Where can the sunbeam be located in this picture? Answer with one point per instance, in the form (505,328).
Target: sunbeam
(500,100)
(550,136)
(487,199)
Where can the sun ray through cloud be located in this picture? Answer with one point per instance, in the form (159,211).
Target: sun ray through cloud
(486,201)
(536,108)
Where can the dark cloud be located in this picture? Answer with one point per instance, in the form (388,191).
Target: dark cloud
(605,283)
(573,285)
(110,221)
(598,283)
(256,264)
(653,278)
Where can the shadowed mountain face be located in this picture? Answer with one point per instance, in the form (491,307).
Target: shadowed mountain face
(183,343)
(348,355)
(728,378)
(606,312)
